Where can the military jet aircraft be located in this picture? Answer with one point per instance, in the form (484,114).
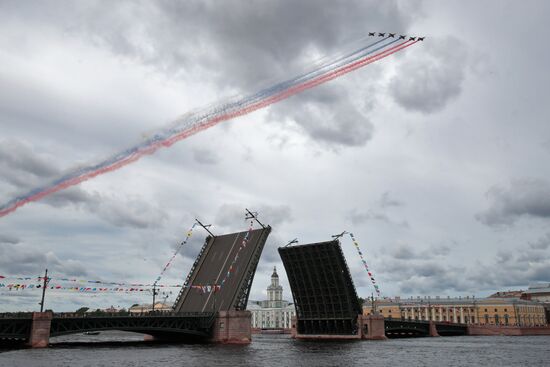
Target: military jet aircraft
(372,34)
(381,34)
(402,37)
(391,35)
(421,38)
(412,38)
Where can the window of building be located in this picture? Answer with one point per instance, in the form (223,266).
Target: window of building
(505,310)
(486,318)
(496,310)
(506,319)
(485,310)
(497,320)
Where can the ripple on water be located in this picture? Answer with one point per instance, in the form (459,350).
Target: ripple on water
(280,350)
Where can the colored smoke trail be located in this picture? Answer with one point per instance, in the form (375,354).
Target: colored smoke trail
(195,122)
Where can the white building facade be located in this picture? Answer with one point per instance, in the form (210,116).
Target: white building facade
(273,313)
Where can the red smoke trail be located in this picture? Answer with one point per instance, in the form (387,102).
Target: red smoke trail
(209,123)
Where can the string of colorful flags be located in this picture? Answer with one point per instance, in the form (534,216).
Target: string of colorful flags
(120,286)
(87,281)
(123,286)
(31,286)
(189,234)
(207,288)
(371,276)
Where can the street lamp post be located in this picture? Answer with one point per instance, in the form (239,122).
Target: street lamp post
(45,284)
(155,292)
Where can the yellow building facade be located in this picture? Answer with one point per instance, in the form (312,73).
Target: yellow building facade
(491,311)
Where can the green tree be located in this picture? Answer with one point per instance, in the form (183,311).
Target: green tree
(82,310)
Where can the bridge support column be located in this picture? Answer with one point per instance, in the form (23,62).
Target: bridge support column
(40,330)
(375,327)
(293,325)
(433,329)
(232,327)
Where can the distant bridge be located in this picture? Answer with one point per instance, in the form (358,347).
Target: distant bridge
(217,315)
(416,328)
(174,326)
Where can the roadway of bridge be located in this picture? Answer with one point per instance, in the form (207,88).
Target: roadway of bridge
(212,267)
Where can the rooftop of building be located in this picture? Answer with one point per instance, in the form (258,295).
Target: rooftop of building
(450,301)
(538,288)
(252,306)
(507,294)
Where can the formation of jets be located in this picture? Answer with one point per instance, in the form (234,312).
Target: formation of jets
(392,35)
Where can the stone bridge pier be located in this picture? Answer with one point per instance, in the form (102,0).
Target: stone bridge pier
(40,330)
(374,325)
(232,327)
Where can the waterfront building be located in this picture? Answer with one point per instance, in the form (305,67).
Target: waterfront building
(274,312)
(538,292)
(148,307)
(490,311)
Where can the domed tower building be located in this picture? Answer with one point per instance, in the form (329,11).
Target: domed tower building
(275,291)
(274,313)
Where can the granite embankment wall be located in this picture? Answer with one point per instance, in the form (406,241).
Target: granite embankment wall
(507,330)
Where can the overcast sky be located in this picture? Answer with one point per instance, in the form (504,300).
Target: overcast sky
(437,158)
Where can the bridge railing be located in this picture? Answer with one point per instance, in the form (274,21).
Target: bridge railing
(141,314)
(16,315)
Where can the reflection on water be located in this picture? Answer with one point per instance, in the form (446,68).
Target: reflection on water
(280,350)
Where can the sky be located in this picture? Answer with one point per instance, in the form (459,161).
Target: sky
(436,158)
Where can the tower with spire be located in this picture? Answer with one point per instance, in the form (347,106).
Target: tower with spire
(275,290)
(274,312)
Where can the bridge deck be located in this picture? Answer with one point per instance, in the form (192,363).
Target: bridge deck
(183,324)
(192,325)
(322,288)
(211,267)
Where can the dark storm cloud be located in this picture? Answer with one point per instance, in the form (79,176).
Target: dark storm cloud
(522,198)
(20,166)
(244,42)
(232,215)
(6,238)
(245,45)
(17,155)
(408,252)
(519,270)
(427,82)
(430,272)
(26,260)
(327,115)
(205,156)
(129,212)
(23,169)
(387,201)
(359,217)
(542,243)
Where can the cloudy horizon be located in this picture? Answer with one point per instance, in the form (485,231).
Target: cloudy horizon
(433,157)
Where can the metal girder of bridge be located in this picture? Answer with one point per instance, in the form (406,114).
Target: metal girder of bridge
(324,294)
(211,267)
(15,328)
(190,324)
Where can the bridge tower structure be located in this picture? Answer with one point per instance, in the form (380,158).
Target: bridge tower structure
(327,305)
(220,280)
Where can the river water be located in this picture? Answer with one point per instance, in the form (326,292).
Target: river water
(280,350)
